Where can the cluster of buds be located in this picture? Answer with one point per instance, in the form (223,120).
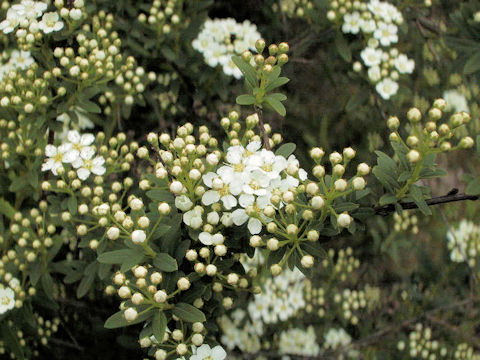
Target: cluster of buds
(431,135)
(294,8)
(275,55)
(164,16)
(420,344)
(168,93)
(405,221)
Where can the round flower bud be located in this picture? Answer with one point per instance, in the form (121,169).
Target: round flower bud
(156,278)
(140,272)
(183,283)
(164,208)
(137,299)
(340,185)
(130,314)
(197,339)
(113,233)
(211,270)
(317,153)
(349,153)
(197,327)
(393,123)
(335,158)
(344,220)
(181,349)
(319,171)
(413,156)
(363,169)
(124,292)
(292,229)
(313,235)
(338,170)
(414,115)
(212,159)
(317,202)
(232,279)
(275,269)
(359,183)
(466,143)
(440,104)
(143,222)
(176,187)
(191,255)
(160,355)
(255,241)
(312,188)
(139,236)
(272,244)
(307,261)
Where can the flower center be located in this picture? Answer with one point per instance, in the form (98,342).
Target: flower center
(5,300)
(239,167)
(58,157)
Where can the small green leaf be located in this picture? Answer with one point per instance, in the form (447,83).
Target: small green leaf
(417,196)
(245,100)
(159,325)
(117,320)
(161,196)
(314,249)
(72,205)
(89,106)
(473,187)
(165,262)
(387,199)
(276,105)
(343,48)
(472,65)
(188,313)
(286,150)
(276,83)
(6,209)
(247,70)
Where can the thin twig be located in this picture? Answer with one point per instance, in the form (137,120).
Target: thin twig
(261,127)
(450,197)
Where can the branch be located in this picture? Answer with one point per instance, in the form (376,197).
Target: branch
(261,127)
(452,196)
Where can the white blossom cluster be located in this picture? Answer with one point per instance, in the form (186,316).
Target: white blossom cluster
(24,18)
(336,338)
(244,185)
(281,299)
(421,345)
(456,101)
(299,342)
(239,332)
(220,39)
(206,352)
(7,299)
(78,152)
(378,22)
(17,60)
(464,242)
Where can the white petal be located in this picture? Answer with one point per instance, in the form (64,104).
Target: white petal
(246,200)
(87,152)
(208,178)
(218,353)
(210,197)
(70,156)
(205,238)
(229,201)
(73,136)
(83,173)
(50,150)
(87,139)
(239,217)
(98,170)
(254,226)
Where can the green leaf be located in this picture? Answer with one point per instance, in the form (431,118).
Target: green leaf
(472,65)
(188,313)
(11,340)
(473,187)
(247,70)
(72,205)
(159,325)
(278,96)
(417,196)
(47,285)
(276,83)
(117,320)
(343,48)
(314,249)
(385,179)
(6,209)
(245,100)
(359,98)
(127,257)
(276,105)
(286,150)
(165,262)
(89,106)
(161,196)
(387,199)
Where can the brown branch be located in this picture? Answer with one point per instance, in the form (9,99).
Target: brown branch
(261,127)
(452,196)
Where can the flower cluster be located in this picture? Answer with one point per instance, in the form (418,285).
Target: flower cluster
(238,331)
(299,342)
(464,243)
(405,221)
(7,298)
(29,20)
(336,338)
(164,17)
(378,22)
(17,60)
(421,345)
(78,152)
(220,39)
(294,8)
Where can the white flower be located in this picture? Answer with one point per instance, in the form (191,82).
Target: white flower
(335,338)
(374,74)
(371,56)
(81,143)
(387,88)
(352,23)
(386,33)
(368,26)
(11,22)
(224,185)
(21,59)
(183,203)
(404,65)
(50,22)
(193,218)
(30,9)
(7,300)
(204,352)
(85,165)
(209,239)
(240,217)
(57,156)
(456,102)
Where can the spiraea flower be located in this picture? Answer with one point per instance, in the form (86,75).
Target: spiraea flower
(205,352)
(50,22)
(57,156)
(7,299)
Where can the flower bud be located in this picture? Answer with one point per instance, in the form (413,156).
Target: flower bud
(344,220)
(307,261)
(139,236)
